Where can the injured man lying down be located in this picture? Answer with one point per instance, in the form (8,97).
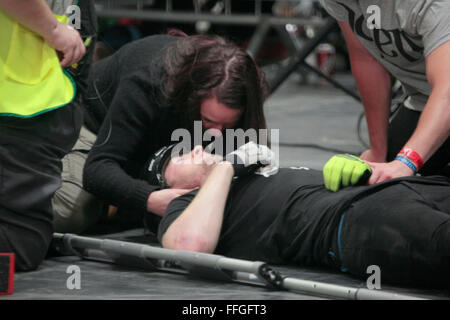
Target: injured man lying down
(289,216)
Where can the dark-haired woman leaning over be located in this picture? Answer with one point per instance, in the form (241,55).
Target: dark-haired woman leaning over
(137,97)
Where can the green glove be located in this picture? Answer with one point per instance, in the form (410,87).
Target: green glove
(343,170)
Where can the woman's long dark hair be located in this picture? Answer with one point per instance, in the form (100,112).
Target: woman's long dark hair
(200,67)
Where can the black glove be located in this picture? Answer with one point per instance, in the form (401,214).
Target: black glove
(249,158)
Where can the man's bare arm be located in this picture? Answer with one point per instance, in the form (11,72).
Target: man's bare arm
(37,16)
(198,227)
(158,201)
(374,84)
(433,127)
(33,14)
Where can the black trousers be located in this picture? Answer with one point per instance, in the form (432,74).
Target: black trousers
(404,229)
(401,128)
(31,150)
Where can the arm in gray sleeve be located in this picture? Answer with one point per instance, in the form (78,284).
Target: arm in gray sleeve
(433,24)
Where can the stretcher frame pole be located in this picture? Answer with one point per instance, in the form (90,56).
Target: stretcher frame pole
(208,265)
(201,264)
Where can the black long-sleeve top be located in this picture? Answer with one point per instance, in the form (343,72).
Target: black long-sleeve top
(125,107)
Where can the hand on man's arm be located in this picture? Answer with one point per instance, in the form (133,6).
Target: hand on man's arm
(159,200)
(37,16)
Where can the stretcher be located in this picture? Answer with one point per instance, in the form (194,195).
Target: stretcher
(209,266)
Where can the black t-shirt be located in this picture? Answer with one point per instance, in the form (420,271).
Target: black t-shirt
(285,217)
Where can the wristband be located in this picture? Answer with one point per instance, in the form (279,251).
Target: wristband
(413,156)
(408,162)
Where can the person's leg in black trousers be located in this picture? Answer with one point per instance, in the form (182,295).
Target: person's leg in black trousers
(404,229)
(31,150)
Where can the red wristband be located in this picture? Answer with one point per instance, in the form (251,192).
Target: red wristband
(413,156)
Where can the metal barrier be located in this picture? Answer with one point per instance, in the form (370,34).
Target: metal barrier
(221,13)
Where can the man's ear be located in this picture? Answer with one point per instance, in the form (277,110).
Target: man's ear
(168,174)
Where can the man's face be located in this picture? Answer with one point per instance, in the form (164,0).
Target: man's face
(190,170)
(216,115)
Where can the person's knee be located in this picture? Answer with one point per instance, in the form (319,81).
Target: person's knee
(64,208)
(31,258)
(29,247)
(75,210)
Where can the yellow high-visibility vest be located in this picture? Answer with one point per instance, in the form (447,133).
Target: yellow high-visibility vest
(32,80)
